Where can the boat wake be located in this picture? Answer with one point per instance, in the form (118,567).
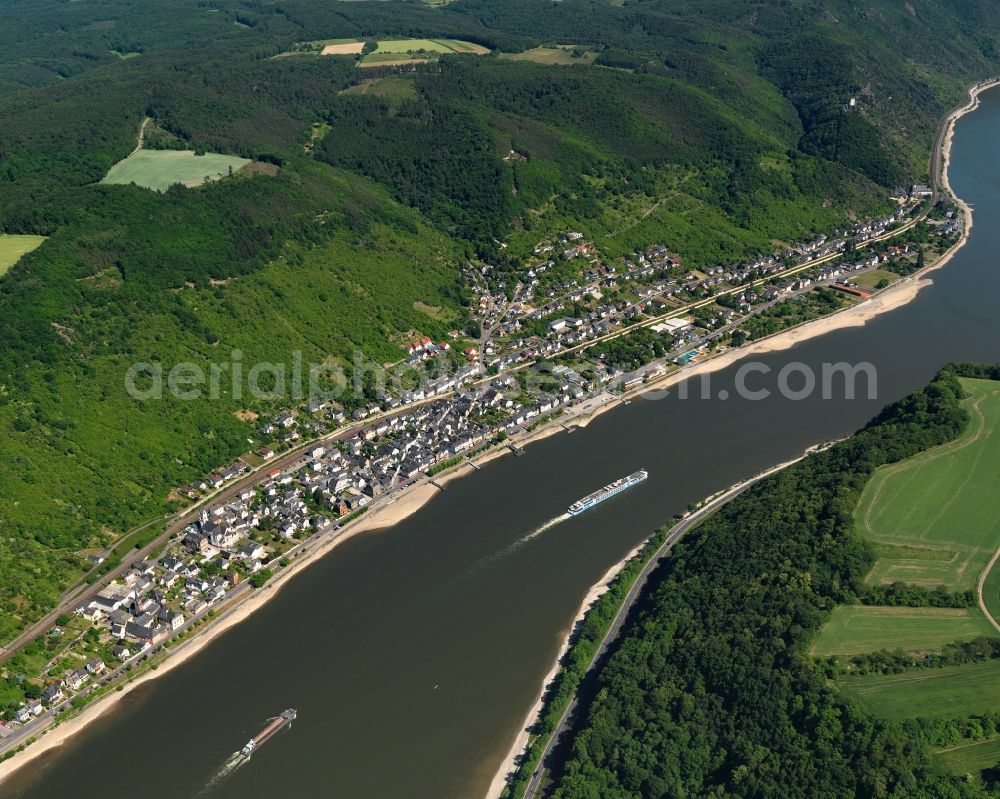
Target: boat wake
(235,760)
(509,550)
(535,533)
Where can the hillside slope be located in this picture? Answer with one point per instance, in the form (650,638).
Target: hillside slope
(715,128)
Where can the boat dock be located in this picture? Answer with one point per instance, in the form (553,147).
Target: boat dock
(515,449)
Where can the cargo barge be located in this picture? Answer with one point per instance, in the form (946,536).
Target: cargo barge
(610,490)
(286,718)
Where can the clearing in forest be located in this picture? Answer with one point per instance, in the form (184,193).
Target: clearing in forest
(13,246)
(161,169)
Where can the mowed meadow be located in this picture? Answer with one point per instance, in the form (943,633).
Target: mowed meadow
(856,629)
(160,169)
(12,247)
(937,516)
(934,522)
(948,692)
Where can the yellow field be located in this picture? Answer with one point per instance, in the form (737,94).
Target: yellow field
(12,247)
(348,48)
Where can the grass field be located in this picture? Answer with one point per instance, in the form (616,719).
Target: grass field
(854,629)
(949,692)
(944,499)
(393,59)
(991,591)
(392,88)
(969,757)
(430,46)
(870,279)
(13,246)
(160,169)
(560,54)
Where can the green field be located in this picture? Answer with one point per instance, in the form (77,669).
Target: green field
(991,591)
(949,692)
(943,501)
(377,59)
(161,169)
(870,280)
(429,45)
(854,629)
(969,757)
(13,246)
(560,54)
(392,88)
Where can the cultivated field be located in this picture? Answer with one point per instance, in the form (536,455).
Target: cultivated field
(377,59)
(855,629)
(560,54)
(12,247)
(461,46)
(160,169)
(346,48)
(968,757)
(402,46)
(392,88)
(991,591)
(942,505)
(949,692)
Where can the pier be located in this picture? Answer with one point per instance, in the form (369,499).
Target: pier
(515,449)
(469,461)
(437,485)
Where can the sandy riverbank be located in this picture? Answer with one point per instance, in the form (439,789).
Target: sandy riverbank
(524,735)
(410,501)
(890,298)
(378,518)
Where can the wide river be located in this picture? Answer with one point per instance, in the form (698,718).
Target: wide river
(412,654)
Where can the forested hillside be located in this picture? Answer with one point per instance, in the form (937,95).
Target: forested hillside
(712,691)
(717,128)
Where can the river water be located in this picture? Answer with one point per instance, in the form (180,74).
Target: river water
(412,654)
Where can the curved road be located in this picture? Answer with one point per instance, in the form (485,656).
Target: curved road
(535,785)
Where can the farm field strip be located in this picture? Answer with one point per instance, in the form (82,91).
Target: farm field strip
(855,629)
(552,55)
(941,499)
(948,692)
(968,757)
(344,48)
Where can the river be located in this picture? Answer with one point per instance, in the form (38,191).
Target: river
(412,654)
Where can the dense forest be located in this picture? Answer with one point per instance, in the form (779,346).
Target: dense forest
(711,690)
(724,120)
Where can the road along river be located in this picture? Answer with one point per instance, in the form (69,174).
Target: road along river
(412,654)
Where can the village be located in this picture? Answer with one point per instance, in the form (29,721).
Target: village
(488,399)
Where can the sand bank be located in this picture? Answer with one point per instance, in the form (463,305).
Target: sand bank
(410,501)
